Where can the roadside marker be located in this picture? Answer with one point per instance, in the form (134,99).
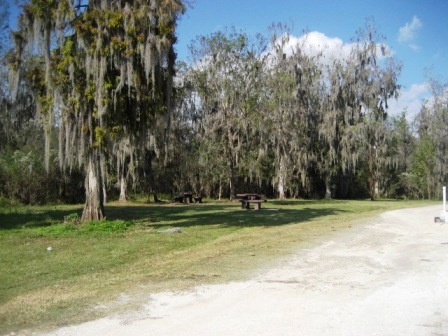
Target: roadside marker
(443,218)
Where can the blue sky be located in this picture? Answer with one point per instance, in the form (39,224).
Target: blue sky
(415,30)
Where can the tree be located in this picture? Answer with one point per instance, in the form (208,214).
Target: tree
(4,27)
(106,79)
(351,113)
(338,124)
(3,70)
(17,121)
(439,134)
(402,141)
(432,130)
(424,165)
(375,82)
(226,77)
(293,86)
(293,120)
(400,149)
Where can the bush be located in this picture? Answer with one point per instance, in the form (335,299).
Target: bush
(73,218)
(23,178)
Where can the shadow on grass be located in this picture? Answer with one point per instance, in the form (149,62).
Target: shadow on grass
(35,216)
(306,202)
(223,215)
(171,215)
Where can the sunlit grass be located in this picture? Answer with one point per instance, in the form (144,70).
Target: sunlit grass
(55,273)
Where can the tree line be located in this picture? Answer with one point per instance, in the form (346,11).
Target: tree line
(96,106)
(264,113)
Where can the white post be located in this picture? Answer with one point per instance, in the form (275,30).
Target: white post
(444,200)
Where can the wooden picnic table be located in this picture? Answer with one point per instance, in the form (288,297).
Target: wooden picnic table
(247,199)
(250,196)
(185,197)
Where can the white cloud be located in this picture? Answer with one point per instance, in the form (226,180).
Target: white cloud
(408,31)
(410,100)
(414,47)
(330,48)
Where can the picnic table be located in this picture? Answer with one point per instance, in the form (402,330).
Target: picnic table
(250,198)
(187,197)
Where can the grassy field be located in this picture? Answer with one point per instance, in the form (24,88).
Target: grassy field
(55,273)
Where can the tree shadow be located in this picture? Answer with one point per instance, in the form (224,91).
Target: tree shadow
(23,217)
(223,215)
(173,215)
(302,202)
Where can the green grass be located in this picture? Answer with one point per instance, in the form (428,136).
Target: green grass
(54,272)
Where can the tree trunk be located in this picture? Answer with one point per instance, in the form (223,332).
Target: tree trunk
(371,174)
(94,206)
(232,178)
(103,173)
(220,189)
(281,180)
(327,187)
(123,188)
(232,186)
(104,192)
(281,187)
(377,188)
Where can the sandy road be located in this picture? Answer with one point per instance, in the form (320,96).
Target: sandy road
(388,277)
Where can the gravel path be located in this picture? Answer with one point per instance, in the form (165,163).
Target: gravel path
(389,277)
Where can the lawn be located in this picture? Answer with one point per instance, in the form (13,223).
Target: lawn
(55,273)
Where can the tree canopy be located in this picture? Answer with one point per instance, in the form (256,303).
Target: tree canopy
(248,113)
(103,73)
(270,112)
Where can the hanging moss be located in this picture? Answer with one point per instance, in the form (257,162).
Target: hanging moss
(103,77)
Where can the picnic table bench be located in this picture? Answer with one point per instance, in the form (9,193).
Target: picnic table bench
(248,199)
(197,199)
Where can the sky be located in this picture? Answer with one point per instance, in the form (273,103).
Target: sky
(416,32)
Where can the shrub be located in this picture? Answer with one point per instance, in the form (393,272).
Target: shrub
(73,218)
(106,226)
(23,178)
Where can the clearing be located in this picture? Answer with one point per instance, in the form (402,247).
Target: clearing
(385,277)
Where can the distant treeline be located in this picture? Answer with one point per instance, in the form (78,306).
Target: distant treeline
(247,114)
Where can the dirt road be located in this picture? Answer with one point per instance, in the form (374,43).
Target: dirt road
(388,277)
